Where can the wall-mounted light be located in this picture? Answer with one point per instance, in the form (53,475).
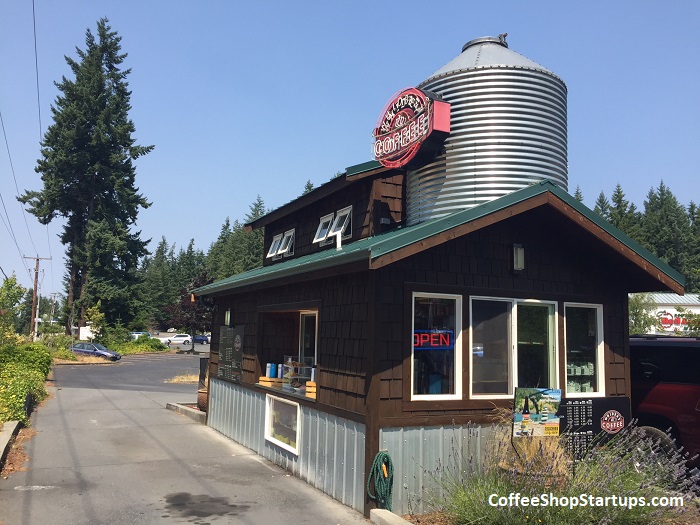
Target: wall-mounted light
(518,257)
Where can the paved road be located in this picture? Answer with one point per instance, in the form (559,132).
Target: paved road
(107,451)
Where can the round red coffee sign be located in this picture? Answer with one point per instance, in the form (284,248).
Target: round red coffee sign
(612,422)
(405,124)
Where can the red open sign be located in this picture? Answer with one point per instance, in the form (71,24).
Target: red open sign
(433,340)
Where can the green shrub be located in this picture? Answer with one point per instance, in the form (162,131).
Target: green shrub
(64,353)
(16,382)
(142,345)
(33,356)
(56,342)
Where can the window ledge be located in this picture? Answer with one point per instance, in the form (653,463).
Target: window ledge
(287,392)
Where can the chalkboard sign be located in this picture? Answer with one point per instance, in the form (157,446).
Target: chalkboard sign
(583,419)
(230,353)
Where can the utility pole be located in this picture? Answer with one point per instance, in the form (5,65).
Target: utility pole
(53,305)
(35,296)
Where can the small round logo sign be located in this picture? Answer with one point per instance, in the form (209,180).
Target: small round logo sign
(612,422)
(404,125)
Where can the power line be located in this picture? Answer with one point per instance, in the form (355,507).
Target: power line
(14,176)
(38,104)
(8,224)
(36,68)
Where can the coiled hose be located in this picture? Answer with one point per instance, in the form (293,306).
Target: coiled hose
(383,473)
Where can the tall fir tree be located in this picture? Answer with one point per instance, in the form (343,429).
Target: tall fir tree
(667,230)
(159,287)
(88,174)
(602,206)
(693,276)
(624,215)
(254,241)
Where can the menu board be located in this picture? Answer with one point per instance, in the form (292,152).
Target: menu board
(583,419)
(230,353)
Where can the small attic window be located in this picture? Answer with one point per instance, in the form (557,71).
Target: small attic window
(282,244)
(287,245)
(276,241)
(341,223)
(323,227)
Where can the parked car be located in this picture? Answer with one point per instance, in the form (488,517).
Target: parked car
(136,335)
(96,350)
(201,339)
(181,339)
(666,387)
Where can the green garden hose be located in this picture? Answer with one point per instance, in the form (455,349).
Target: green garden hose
(383,473)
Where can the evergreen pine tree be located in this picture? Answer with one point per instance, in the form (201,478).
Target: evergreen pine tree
(624,215)
(602,206)
(667,229)
(88,177)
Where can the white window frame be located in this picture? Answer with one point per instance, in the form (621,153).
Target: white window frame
(513,335)
(458,371)
(308,313)
(286,247)
(282,244)
(269,400)
(274,246)
(599,354)
(342,222)
(324,226)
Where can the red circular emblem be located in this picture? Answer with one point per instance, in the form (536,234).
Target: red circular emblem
(402,127)
(612,422)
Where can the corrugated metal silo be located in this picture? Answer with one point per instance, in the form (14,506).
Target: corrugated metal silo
(508,130)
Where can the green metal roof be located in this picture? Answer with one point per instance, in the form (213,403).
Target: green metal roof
(371,248)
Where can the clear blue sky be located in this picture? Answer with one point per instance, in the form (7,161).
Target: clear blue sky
(255,98)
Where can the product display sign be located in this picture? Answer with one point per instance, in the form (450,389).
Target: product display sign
(407,122)
(231,353)
(583,419)
(536,412)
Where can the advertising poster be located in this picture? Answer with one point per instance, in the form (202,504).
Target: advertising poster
(536,412)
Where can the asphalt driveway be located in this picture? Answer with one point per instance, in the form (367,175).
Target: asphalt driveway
(107,451)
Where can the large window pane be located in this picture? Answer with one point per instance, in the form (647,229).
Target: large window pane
(583,341)
(536,345)
(307,335)
(282,423)
(435,331)
(491,347)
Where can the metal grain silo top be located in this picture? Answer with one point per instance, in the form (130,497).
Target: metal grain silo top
(508,130)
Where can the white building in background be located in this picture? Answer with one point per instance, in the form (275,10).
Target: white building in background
(667,310)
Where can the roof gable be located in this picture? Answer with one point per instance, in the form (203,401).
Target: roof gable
(386,248)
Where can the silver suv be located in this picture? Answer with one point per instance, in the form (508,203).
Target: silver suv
(182,339)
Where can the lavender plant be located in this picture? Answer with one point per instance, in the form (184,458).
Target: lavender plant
(538,482)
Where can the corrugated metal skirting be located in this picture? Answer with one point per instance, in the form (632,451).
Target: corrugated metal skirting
(419,453)
(332,450)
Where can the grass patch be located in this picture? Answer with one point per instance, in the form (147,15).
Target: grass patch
(83,359)
(187,377)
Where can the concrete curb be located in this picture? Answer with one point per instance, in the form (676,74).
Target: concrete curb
(7,435)
(192,413)
(386,517)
